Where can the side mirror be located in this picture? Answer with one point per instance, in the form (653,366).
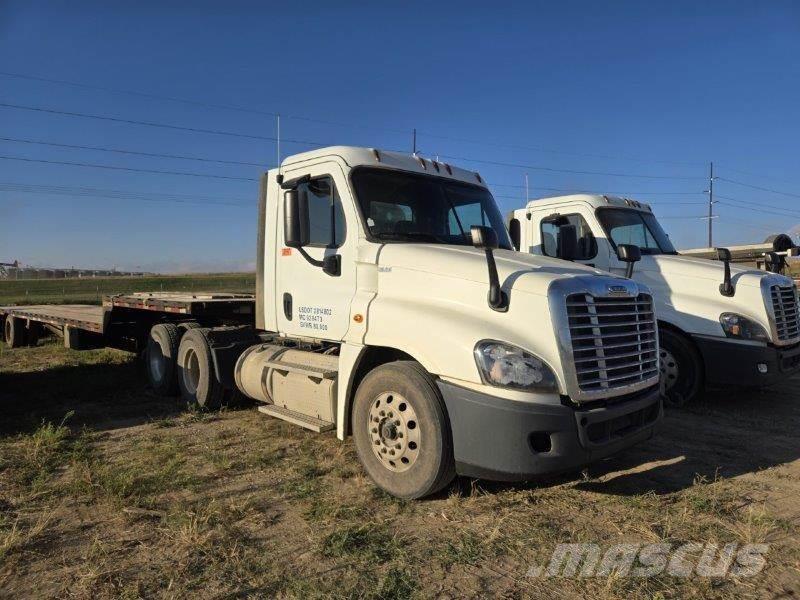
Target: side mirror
(726,287)
(629,254)
(484,237)
(567,242)
(296,225)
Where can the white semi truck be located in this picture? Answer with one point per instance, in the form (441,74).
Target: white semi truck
(391,306)
(719,325)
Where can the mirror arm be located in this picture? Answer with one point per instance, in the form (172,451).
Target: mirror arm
(629,270)
(497,298)
(332,265)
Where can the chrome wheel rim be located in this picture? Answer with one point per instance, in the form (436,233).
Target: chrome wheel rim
(191,371)
(668,367)
(394,431)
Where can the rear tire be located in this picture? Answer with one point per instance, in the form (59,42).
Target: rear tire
(401,431)
(196,377)
(161,358)
(14,332)
(681,369)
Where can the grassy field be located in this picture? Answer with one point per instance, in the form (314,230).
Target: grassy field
(108,491)
(91,291)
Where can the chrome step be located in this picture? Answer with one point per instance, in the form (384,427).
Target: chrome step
(312,423)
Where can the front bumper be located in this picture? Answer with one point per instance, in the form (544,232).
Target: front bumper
(505,440)
(730,363)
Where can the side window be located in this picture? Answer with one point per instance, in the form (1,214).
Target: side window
(325,214)
(587,244)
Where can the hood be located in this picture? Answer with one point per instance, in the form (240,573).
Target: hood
(516,270)
(671,266)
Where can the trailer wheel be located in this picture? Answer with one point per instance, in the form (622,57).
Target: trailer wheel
(196,377)
(160,358)
(681,369)
(401,430)
(14,332)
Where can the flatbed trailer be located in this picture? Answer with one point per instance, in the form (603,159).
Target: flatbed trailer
(124,320)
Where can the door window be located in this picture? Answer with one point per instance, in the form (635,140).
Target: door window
(325,214)
(587,244)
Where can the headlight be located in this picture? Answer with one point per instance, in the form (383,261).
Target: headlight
(507,366)
(742,328)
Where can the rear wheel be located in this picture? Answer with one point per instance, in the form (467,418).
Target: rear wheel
(401,431)
(196,377)
(14,332)
(161,356)
(681,369)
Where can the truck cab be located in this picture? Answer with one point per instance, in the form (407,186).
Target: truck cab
(392,307)
(719,324)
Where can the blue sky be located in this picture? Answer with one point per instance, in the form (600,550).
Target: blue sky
(631,88)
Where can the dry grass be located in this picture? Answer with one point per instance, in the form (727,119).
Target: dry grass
(108,491)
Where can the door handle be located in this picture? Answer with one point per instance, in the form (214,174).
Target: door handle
(287,306)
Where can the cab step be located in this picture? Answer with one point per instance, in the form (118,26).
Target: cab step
(306,421)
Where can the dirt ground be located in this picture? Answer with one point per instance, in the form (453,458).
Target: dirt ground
(109,491)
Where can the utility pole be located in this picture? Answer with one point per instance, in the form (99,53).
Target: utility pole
(414,141)
(710,204)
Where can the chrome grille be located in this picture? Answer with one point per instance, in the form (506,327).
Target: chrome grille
(784,307)
(614,340)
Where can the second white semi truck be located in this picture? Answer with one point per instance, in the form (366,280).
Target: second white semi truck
(391,306)
(719,325)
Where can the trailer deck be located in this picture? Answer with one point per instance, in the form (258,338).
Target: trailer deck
(123,320)
(82,316)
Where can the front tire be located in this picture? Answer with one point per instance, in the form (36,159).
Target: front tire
(401,431)
(681,369)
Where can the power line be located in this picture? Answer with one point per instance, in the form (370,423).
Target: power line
(88,192)
(758,204)
(159,125)
(571,171)
(755,187)
(131,169)
(761,210)
(573,190)
(202,104)
(133,152)
(552,151)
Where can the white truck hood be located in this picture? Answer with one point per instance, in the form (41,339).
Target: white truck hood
(517,271)
(687,294)
(430,301)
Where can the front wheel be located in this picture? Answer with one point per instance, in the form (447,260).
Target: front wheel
(401,431)
(681,369)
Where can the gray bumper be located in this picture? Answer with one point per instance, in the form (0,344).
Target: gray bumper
(504,440)
(731,363)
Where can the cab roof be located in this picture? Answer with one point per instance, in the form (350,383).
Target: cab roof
(596,200)
(355,156)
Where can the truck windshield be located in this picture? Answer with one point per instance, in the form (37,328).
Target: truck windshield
(407,207)
(624,226)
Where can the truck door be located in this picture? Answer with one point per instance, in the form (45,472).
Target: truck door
(591,249)
(309,301)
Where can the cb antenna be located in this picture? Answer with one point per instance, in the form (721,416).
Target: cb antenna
(278,146)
